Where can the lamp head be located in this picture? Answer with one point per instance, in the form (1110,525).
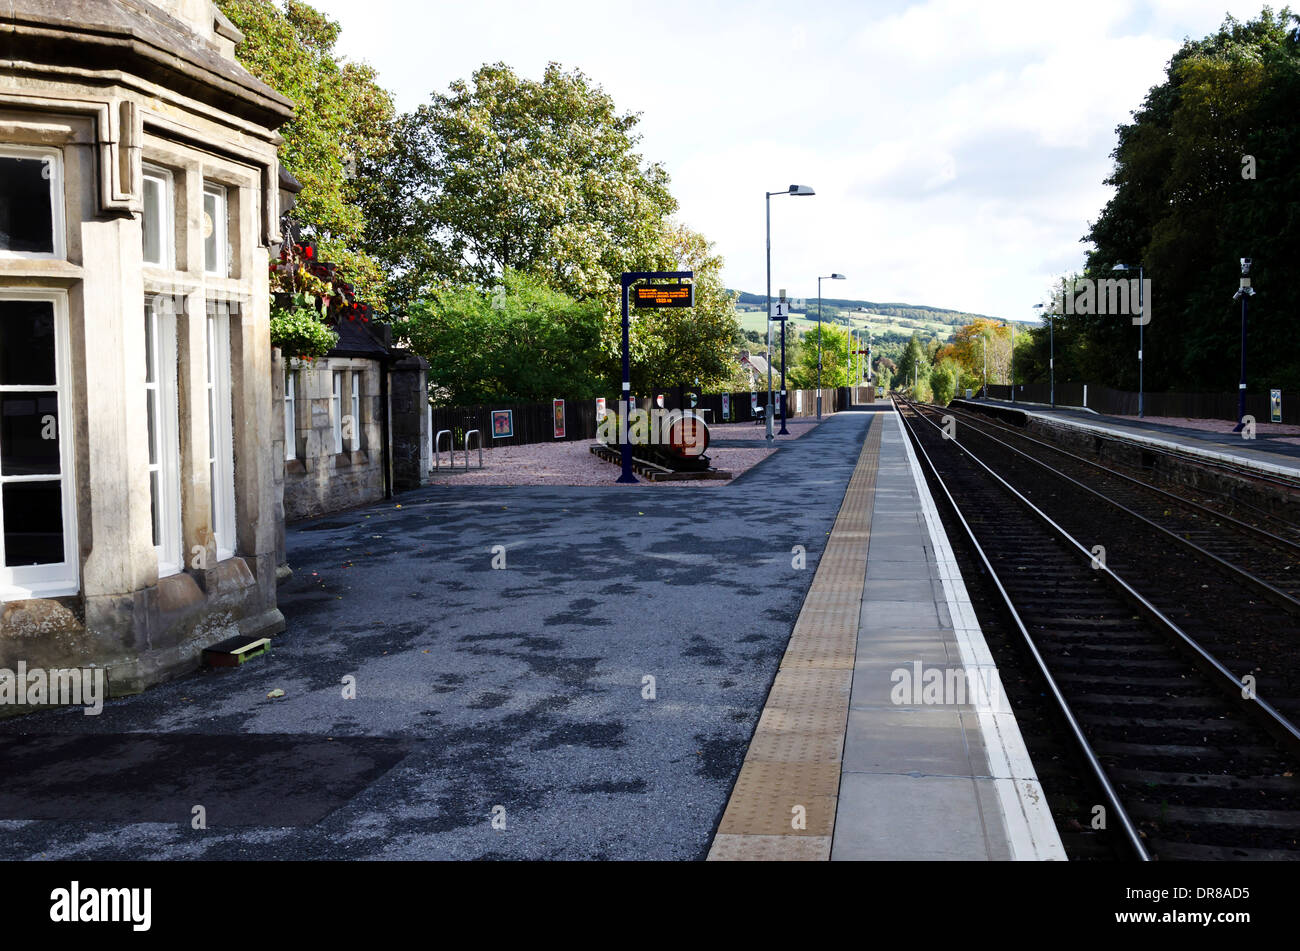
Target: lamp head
(837,277)
(801,190)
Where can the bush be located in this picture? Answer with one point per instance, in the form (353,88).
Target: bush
(298,332)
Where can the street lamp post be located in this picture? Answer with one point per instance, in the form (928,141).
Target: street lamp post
(1051,358)
(792,190)
(984,352)
(1244,293)
(1142,315)
(829,277)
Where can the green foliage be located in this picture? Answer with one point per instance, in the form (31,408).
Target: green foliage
(298,331)
(508,172)
(913,364)
(1185,210)
(516,340)
(678,346)
(944,378)
(834,349)
(342,117)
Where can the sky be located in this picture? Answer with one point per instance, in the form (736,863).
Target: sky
(958,148)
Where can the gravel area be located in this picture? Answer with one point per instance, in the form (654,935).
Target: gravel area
(572,463)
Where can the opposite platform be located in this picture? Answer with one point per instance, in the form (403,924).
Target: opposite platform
(1270,455)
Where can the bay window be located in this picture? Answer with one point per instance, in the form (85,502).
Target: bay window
(221,447)
(31,202)
(38,544)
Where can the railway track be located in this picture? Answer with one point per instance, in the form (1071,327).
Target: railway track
(1230,587)
(1184,766)
(1265,544)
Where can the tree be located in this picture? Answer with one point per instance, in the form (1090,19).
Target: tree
(834,351)
(1207,172)
(517,340)
(342,117)
(971,344)
(670,346)
(541,177)
(944,378)
(912,363)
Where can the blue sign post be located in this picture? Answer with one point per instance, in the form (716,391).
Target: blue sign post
(670,297)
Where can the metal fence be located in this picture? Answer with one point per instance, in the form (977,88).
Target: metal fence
(1125,403)
(535,422)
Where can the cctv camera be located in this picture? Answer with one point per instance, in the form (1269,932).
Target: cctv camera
(1245,266)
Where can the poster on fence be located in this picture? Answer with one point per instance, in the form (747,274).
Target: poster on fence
(600,409)
(726,407)
(1275,405)
(798,402)
(753,403)
(557,407)
(503,423)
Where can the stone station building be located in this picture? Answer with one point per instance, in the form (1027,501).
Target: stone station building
(138,201)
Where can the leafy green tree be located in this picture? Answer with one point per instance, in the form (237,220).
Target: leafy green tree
(517,340)
(834,344)
(541,177)
(913,362)
(671,346)
(342,117)
(1207,172)
(944,378)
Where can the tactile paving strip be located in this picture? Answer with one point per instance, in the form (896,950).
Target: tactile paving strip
(783,805)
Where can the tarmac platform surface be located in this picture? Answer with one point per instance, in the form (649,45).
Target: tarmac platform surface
(594,698)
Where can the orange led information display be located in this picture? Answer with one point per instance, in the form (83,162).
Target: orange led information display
(664,295)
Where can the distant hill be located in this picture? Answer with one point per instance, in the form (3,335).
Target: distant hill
(921,312)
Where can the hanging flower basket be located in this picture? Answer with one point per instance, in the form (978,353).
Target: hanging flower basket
(298,332)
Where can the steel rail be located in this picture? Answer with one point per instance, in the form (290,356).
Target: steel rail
(1186,455)
(1266,535)
(1130,831)
(1276,720)
(1277,594)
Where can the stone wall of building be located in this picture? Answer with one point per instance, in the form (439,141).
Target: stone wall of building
(104,93)
(320,478)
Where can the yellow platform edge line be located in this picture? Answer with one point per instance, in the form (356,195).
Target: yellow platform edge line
(783,805)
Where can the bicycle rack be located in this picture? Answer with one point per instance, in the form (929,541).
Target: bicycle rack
(451,449)
(474,432)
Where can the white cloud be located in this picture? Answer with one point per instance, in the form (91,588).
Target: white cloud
(958,149)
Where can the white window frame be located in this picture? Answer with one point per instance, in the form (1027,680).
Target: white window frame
(56,200)
(167,212)
(45,581)
(221,439)
(290,417)
(356,410)
(162,392)
(220,227)
(336,411)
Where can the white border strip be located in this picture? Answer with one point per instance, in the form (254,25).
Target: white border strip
(1244,462)
(1030,827)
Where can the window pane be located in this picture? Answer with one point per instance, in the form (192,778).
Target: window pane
(26,218)
(29,434)
(33,520)
(151,416)
(152,224)
(148,345)
(211,230)
(26,343)
(154,508)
